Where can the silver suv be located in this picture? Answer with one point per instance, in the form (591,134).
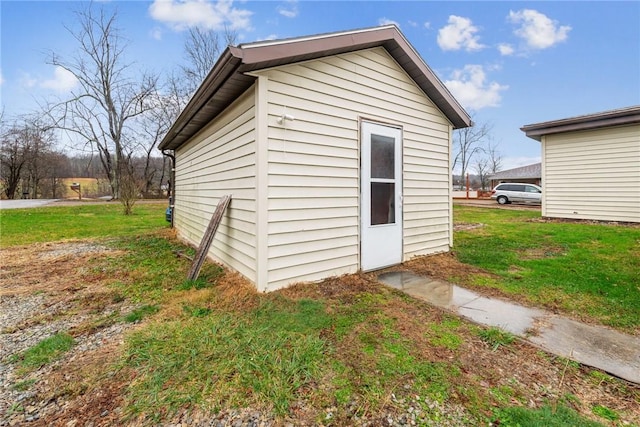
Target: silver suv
(509,192)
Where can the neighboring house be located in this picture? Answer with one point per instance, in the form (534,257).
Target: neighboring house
(591,165)
(531,174)
(335,148)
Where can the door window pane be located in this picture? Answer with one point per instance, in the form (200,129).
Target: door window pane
(382,203)
(382,157)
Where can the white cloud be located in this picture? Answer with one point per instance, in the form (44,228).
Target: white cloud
(269,37)
(182,14)
(290,10)
(412,23)
(27,81)
(62,81)
(460,33)
(156,33)
(505,49)
(472,90)
(427,25)
(385,21)
(537,30)
(1,78)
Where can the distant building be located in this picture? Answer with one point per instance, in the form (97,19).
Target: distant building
(531,174)
(591,165)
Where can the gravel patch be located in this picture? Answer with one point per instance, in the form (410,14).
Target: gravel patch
(19,395)
(74,249)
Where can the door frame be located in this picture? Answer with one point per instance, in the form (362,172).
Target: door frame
(391,234)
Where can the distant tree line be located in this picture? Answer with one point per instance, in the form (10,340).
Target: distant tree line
(32,167)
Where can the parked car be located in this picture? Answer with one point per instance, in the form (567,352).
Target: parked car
(509,192)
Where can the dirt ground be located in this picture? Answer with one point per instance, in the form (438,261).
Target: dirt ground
(42,284)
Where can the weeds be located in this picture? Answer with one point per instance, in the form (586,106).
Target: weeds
(606,413)
(139,313)
(24,385)
(43,353)
(496,337)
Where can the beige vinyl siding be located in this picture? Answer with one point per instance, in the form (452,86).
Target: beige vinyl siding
(593,174)
(314,180)
(220,160)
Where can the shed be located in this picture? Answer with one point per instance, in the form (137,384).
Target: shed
(335,147)
(591,165)
(531,174)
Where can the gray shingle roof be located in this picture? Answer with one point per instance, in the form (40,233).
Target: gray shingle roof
(523,172)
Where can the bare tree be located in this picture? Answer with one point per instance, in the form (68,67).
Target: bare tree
(13,156)
(56,166)
(202,49)
(129,189)
(109,98)
(482,171)
(494,158)
(153,125)
(24,148)
(467,143)
(40,153)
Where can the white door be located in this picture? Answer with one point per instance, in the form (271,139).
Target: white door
(381,196)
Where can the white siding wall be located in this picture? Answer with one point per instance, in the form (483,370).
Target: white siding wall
(314,162)
(593,174)
(220,160)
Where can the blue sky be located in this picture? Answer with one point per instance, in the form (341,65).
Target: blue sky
(509,63)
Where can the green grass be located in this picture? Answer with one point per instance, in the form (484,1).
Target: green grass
(43,353)
(586,269)
(276,352)
(444,334)
(150,268)
(272,351)
(264,356)
(49,224)
(606,413)
(546,416)
(139,313)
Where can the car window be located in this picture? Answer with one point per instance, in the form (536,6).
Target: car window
(530,189)
(517,188)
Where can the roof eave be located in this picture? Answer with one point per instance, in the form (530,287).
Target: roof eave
(226,65)
(236,62)
(619,117)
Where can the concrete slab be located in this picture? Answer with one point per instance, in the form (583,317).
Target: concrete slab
(600,347)
(603,348)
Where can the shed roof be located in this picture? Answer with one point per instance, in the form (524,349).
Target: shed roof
(523,172)
(622,116)
(228,78)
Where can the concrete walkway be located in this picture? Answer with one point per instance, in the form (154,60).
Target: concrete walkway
(599,347)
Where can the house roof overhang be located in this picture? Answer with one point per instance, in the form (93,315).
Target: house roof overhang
(532,171)
(229,77)
(622,116)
